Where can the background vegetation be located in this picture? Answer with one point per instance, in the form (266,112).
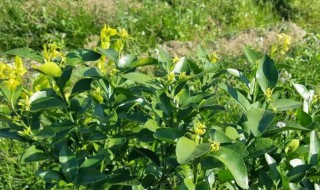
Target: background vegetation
(171,23)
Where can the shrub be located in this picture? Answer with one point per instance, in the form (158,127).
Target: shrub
(93,121)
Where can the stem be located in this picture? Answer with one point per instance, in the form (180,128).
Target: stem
(195,171)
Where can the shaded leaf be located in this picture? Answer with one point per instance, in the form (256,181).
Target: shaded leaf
(267,74)
(50,176)
(81,55)
(258,120)
(69,163)
(111,54)
(241,100)
(46,103)
(168,134)
(32,154)
(26,53)
(11,134)
(87,176)
(81,86)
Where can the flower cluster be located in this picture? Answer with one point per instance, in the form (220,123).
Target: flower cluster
(51,54)
(282,46)
(108,34)
(215,146)
(199,128)
(12,74)
(214,57)
(111,38)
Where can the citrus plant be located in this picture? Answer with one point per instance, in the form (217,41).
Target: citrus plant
(94,121)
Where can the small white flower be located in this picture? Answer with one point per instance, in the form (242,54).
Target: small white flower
(281,124)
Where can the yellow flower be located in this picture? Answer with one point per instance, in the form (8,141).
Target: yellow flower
(118,45)
(199,128)
(214,57)
(51,53)
(105,35)
(12,83)
(25,104)
(268,94)
(101,64)
(19,68)
(97,95)
(199,131)
(215,146)
(175,59)
(182,75)
(123,33)
(171,77)
(282,46)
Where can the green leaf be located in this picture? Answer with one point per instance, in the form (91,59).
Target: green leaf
(292,146)
(272,167)
(81,85)
(32,154)
(42,94)
(65,77)
(87,176)
(138,77)
(148,154)
(51,69)
(47,103)
(289,125)
(111,54)
(126,61)
(260,147)
(69,163)
(235,164)
(188,150)
(202,54)
(187,184)
(267,74)
(11,95)
(252,56)
(239,75)
(168,134)
(304,118)
(4,118)
(46,132)
(81,55)
(258,120)
(143,62)
(284,104)
(16,94)
(241,100)
(26,53)
(165,58)
(50,176)
(11,134)
(314,147)
(202,185)
(94,161)
(216,135)
(89,72)
(184,171)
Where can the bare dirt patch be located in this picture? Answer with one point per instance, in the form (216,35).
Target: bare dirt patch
(261,39)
